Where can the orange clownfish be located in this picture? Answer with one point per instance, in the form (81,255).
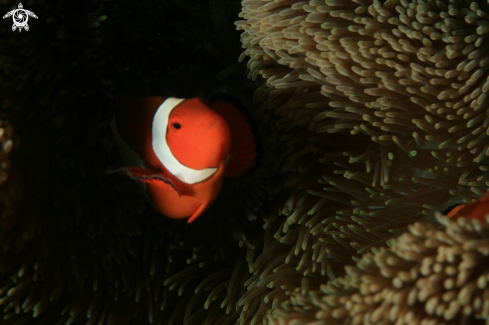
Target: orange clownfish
(180,149)
(475,210)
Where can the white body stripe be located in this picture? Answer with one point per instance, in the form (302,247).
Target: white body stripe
(163,152)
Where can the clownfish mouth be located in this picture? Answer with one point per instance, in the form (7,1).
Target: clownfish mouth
(143,178)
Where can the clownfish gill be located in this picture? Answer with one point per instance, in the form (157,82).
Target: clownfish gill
(180,150)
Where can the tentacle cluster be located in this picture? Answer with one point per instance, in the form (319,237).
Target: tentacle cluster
(430,275)
(381,117)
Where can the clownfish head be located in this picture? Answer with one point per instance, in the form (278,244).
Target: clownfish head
(197,136)
(475,210)
(184,137)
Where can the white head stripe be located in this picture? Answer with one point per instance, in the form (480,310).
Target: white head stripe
(163,152)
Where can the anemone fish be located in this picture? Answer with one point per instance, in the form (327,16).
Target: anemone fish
(475,210)
(180,149)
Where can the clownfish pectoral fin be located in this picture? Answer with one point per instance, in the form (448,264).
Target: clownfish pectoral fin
(146,176)
(200,210)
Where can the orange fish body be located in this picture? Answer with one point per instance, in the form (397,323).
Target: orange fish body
(183,146)
(475,210)
(179,148)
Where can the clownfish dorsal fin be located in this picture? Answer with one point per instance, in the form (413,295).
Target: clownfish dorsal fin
(163,152)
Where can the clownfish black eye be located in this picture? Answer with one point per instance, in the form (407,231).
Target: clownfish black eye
(177,125)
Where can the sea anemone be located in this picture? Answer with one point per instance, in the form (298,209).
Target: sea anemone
(358,144)
(387,79)
(428,276)
(380,102)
